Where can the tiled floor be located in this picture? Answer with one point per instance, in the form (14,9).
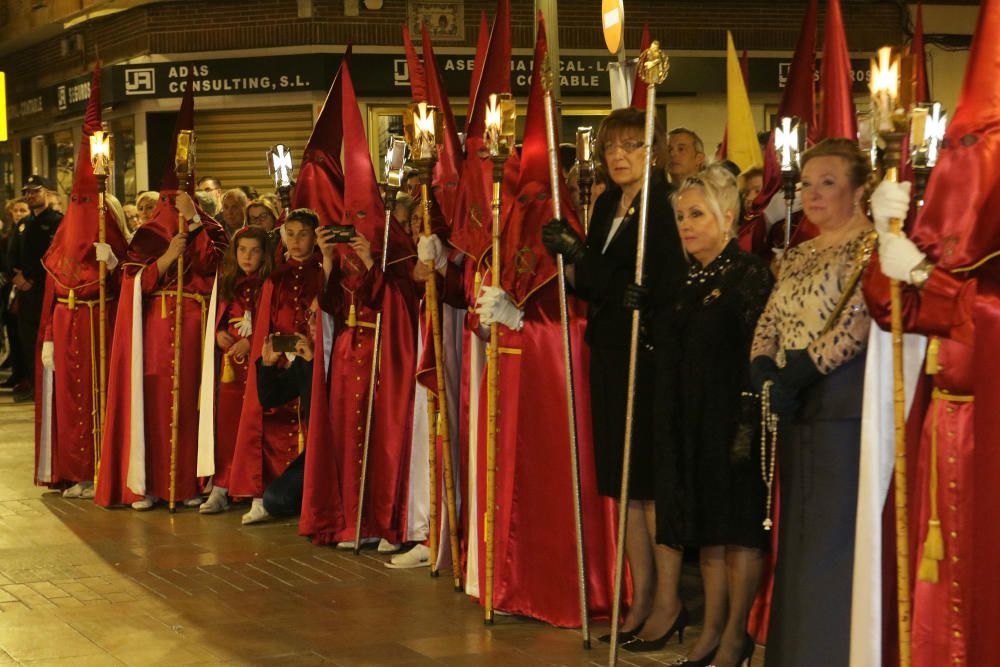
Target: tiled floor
(85,586)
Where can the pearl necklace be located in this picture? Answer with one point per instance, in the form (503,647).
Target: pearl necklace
(700,275)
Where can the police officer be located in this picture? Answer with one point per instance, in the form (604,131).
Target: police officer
(34,235)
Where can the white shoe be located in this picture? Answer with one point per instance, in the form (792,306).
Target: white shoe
(256,514)
(418,556)
(387,547)
(217,502)
(194,502)
(88,491)
(145,504)
(74,491)
(347,546)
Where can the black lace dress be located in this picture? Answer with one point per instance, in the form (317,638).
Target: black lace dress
(709,485)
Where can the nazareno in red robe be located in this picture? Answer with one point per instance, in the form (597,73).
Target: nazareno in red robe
(340,398)
(135,451)
(269,440)
(231,385)
(951,428)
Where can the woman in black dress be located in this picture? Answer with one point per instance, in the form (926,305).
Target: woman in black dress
(710,494)
(603,266)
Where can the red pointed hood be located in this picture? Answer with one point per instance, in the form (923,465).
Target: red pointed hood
(363,205)
(320,182)
(799,99)
(482,44)
(958,225)
(639,89)
(418,79)
(526,264)
(185,121)
(496,70)
(448,168)
(71,259)
(923,91)
(837,114)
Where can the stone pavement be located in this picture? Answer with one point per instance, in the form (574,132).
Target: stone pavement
(87,586)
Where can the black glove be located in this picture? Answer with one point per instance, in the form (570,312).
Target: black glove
(783,400)
(560,239)
(799,371)
(762,369)
(636,297)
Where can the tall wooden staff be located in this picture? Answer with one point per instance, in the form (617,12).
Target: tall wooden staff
(574,450)
(184,166)
(501,117)
(100,159)
(422,125)
(891,126)
(585,172)
(653,68)
(394,160)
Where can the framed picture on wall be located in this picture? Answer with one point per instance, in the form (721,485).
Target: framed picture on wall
(445,19)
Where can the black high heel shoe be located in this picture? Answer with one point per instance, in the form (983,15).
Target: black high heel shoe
(640,645)
(701,662)
(622,636)
(746,655)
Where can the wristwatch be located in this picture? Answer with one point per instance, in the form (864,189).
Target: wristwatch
(920,273)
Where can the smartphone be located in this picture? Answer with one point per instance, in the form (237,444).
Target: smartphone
(342,233)
(280,343)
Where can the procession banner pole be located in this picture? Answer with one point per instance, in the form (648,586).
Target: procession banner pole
(501,115)
(653,68)
(184,162)
(100,157)
(891,125)
(395,158)
(574,450)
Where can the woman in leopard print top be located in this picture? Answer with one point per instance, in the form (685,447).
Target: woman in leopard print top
(810,343)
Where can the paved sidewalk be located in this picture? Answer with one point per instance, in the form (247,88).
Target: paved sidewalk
(86,586)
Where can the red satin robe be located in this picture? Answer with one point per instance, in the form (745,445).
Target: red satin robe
(201,261)
(535,570)
(262,455)
(75,387)
(956,414)
(230,390)
(339,403)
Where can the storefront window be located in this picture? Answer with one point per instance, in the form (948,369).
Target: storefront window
(62,151)
(123,178)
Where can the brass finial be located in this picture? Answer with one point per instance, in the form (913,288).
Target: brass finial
(654,65)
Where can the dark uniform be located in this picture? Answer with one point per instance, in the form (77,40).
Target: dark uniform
(33,238)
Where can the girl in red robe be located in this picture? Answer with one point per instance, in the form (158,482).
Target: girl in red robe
(246,265)
(269,440)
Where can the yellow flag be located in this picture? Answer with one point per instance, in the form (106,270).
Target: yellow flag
(741,138)
(3,107)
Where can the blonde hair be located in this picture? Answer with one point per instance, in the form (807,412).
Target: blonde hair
(119,213)
(148,194)
(718,185)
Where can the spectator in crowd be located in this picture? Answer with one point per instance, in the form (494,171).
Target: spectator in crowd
(249,190)
(17,209)
(206,202)
(233,214)
(275,203)
(213,187)
(751,183)
(261,213)
(131,218)
(34,236)
(686,154)
(55,201)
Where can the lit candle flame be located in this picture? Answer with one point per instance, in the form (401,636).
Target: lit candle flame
(100,151)
(423,122)
(885,86)
(936,126)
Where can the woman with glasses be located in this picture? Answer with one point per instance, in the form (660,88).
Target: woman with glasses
(602,267)
(261,213)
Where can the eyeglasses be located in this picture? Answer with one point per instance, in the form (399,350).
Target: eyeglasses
(627,146)
(261,217)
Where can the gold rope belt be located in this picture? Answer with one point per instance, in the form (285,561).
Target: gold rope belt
(509,350)
(934,542)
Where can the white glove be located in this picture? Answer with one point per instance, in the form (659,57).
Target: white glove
(49,355)
(889,201)
(898,256)
(245,326)
(494,306)
(430,249)
(775,209)
(106,255)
